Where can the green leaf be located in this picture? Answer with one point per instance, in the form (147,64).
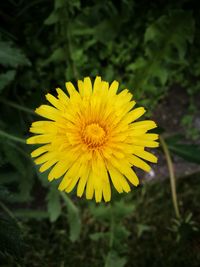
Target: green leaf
(113,259)
(171,31)
(59,4)
(11,238)
(12,56)
(73,218)
(141,228)
(7,177)
(53,202)
(31,214)
(14,159)
(52,19)
(166,43)
(26,184)
(186,151)
(98,236)
(101,212)
(6,78)
(42,176)
(58,55)
(122,210)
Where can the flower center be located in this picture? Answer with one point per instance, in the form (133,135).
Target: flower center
(94,135)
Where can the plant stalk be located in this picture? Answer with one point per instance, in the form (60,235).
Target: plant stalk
(10,214)
(12,137)
(17,106)
(171,175)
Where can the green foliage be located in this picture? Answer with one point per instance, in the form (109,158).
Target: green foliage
(10,57)
(114,260)
(189,152)
(73,218)
(149,47)
(184,228)
(53,203)
(11,239)
(6,78)
(113,216)
(166,42)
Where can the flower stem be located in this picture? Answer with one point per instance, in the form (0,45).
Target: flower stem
(171,175)
(111,229)
(12,137)
(10,214)
(17,106)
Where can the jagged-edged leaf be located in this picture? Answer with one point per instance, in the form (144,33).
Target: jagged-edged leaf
(53,202)
(113,259)
(7,177)
(59,3)
(5,194)
(74,219)
(165,46)
(6,78)
(52,19)
(98,236)
(42,176)
(58,55)
(14,158)
(170,31)
(101,212)
(122,209)
(12,56)
(10,237)
(141,228)
(119,210)
(26,184)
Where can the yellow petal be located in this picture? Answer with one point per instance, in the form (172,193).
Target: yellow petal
(90,186)
(47,165)
(118,180)
(40,139)
(43,127)
(48,112)
(144,143)
(62,96)
(115,177)
(81,87)
(125,169)
(139,163)
(134,114)
(107,191)
(113,88)
(87,87)
(140,152)
(71,89)
(146,124)
(83,180)
(97,85)
(72,184)
(59,169)
(54,101)
(69,176)
(46,157)
(149,136)
(37,152)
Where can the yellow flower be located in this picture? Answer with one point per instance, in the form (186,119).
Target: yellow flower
(91,139)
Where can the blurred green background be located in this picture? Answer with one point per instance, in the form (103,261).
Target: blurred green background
(150,47)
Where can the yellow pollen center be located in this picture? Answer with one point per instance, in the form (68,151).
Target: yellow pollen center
(94,134)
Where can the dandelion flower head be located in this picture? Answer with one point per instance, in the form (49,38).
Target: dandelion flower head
(90,138)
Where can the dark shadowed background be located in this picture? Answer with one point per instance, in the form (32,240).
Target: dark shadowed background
(153,49)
